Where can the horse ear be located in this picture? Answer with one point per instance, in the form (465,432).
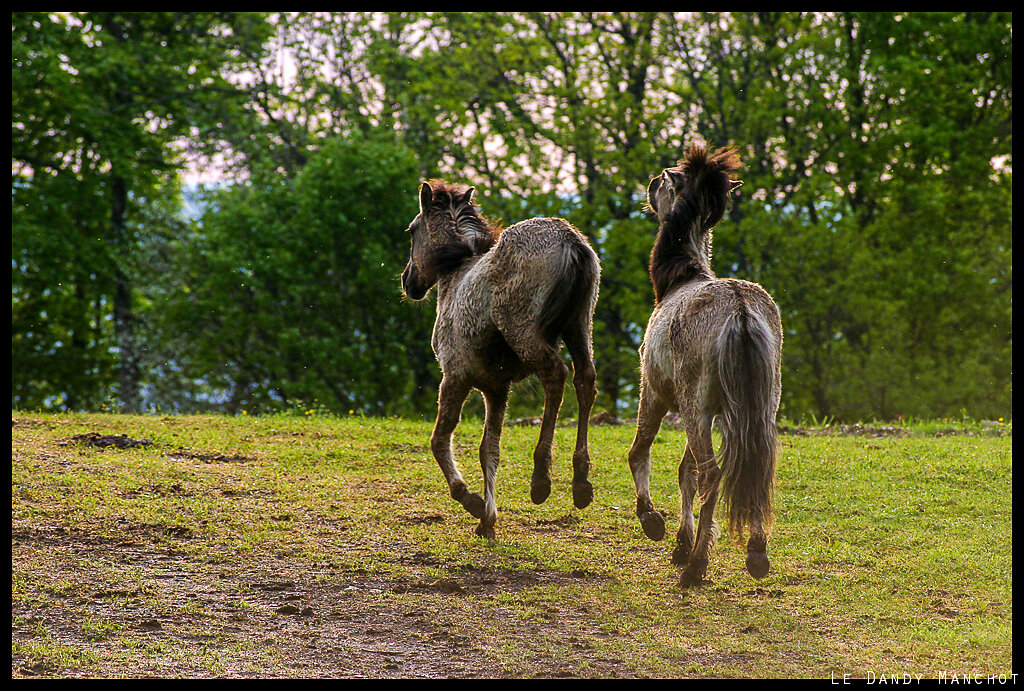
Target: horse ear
(426,196)
(467,197)
(652,192)
(677,177)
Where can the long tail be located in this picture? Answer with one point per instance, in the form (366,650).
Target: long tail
(573,293)
(747,373)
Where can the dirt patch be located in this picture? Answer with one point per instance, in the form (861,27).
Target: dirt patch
(190,561)
(119,441)
(149,600)
(209,457)
(271,616)
(856,430)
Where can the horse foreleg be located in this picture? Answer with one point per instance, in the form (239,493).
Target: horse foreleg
(648,422)
(450,399)
(687,489)
(495,402)
(709,475)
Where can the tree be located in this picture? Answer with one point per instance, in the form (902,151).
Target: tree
(98,101)
(571,114)
(876,205)
(285,294)
(545,112)
(868,142)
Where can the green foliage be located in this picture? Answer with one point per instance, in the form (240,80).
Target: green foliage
(876,205)
(903,544)
(99,102)
(852,213)
(285,294)
(59,332)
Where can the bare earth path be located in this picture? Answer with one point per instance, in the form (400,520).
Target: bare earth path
(294,622)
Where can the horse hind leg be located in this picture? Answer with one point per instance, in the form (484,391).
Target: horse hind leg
(578,342)
(758,563)
(552,373)
(449,409)
(542,359)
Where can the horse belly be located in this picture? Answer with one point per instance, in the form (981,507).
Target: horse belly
(496,361)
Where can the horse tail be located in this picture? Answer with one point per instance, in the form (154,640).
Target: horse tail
(573,292)
(747,356)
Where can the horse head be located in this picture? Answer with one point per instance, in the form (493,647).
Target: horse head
(447,230)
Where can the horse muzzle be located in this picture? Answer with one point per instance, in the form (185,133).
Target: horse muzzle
(412,286)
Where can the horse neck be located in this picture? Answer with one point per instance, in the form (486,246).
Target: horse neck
(697,245)
(681,254)
(449,282)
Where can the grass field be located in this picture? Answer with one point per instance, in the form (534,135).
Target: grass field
(314,546)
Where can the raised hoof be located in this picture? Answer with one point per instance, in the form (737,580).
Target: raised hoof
(582,494)
(758,564)
(653,524)
(540,489)
(473,503)
(486,532)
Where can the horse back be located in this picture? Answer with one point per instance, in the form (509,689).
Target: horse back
(520,246)
(539,275)
(679,354)
(543,274)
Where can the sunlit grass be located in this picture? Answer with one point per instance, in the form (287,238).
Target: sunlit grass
(887,551)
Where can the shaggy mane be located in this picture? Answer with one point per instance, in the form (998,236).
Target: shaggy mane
(682,249)
(468,219)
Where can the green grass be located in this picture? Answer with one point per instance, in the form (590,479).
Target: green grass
(889,554)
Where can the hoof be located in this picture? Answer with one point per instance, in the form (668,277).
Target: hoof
(486,532)
(540,488)
(473,503)
(582,494)
(693,575)
(653,524)
(689,580)
(757,564)
(681,554)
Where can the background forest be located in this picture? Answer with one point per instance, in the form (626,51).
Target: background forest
(209,209)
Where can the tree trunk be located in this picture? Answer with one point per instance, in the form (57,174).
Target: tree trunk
(124,319)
